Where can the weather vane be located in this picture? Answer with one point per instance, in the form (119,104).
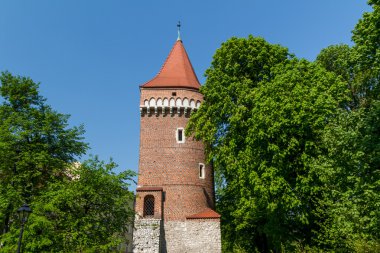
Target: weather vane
(179,30)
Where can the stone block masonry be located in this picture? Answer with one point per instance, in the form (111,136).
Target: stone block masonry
(192,236)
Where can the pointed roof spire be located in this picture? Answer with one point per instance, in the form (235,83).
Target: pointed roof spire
(179,30)
(177,71)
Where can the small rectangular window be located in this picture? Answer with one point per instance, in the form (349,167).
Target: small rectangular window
(201,170)
(180,131)
(180,135)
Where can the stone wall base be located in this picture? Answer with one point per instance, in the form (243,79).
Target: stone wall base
(192,236)
(146,236)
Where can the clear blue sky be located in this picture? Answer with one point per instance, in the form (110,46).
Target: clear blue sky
(91,56)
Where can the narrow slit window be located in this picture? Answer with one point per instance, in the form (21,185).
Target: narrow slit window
(180,135)
(201,170)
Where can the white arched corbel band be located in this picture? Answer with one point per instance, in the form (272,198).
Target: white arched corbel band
(169,105)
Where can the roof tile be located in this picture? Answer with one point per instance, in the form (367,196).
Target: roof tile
(207,214)
(177,71)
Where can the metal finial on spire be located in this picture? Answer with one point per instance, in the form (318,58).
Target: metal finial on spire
(179,30)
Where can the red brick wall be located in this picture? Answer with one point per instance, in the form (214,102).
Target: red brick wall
(174,166)
(139,208)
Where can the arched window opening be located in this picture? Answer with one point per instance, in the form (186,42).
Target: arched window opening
(149,206)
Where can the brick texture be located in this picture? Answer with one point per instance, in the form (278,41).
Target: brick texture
(169,170)
(173,166)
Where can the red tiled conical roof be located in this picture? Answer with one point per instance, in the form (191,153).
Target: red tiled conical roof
(177,71)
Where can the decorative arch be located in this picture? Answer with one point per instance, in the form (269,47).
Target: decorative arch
(178,102)
(152,102)
(198,103)
(186,102)
(192,103)
(159,102)
(146,103)
(172,102)
(148,206)
(166,102)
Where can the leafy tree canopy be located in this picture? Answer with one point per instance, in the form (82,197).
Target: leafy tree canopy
(36,144)
(90,211)
(262,119)
(366,36)
(76,207)
(351,165)
(295,144)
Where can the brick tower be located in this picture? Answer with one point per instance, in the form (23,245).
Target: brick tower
(175,191)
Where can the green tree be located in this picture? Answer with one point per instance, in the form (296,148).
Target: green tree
(36,145)
(262,121)
(366,37)
(89,211)
(342,60)
(76,207)
(351,165)
(349,206)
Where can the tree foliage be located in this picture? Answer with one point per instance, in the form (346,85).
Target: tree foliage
(351,164)
(89,211)
(76,207)
(295,144)
(36,144)
(366,36)
(262,126)
(349,206)
(340,59)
